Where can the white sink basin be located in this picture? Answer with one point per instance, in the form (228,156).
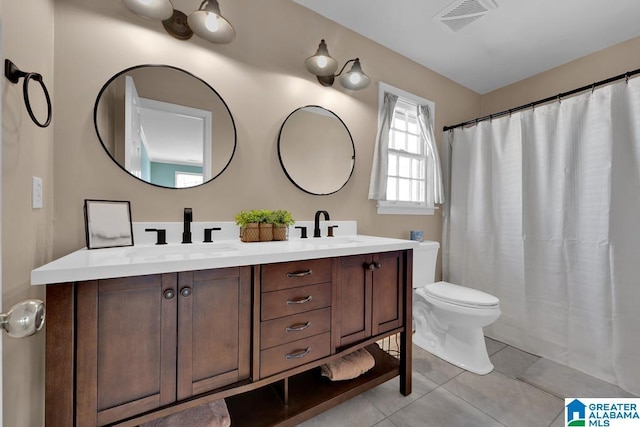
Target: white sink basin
(195,250)
(328,242)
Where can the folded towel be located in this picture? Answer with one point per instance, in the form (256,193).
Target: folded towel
(214,414)
(350,366)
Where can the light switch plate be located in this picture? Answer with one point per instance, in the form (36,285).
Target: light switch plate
(36,193)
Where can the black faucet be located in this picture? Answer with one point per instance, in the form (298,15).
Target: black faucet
(188,217)
(316,227)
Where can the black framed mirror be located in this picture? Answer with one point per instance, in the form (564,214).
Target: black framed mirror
(165,126)
(316,150)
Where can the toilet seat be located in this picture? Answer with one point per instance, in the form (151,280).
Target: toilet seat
(460,295)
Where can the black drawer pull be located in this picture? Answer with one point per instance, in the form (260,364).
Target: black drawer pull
(299,300)
(308,272)
(297,355)
(297,328)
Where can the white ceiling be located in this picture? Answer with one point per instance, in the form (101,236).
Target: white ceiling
(518,39)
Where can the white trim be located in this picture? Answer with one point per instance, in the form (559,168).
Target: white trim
(404,208)
(389,207)
(1,333)
(196,113)
(385,87)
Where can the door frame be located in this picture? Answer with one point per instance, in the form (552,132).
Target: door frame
(1,104)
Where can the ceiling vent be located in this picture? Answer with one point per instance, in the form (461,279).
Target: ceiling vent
(461,13)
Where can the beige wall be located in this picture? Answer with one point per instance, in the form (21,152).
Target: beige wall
(584,71)
(27,150)
(262,78)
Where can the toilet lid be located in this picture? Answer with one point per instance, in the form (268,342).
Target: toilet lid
(461,295)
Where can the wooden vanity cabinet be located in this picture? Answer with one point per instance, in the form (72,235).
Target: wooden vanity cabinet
(125,351)
(214,329)
(369,297)
(148,341)
(295,314)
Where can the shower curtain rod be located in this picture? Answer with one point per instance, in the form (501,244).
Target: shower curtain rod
(559,96)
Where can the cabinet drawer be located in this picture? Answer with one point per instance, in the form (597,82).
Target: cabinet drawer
(286,275)
(291,328)
(288,356)
(297,300)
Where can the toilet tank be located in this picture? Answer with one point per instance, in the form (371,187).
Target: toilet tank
(424,263)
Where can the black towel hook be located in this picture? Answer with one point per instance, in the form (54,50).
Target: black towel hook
(13,73)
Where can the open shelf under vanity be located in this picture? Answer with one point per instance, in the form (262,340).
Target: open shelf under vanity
(299,397)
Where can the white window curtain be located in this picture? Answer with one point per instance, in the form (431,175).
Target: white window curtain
(434,180)
(542,212)
(378,183)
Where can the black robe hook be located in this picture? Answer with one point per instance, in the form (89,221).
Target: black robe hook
(14,74)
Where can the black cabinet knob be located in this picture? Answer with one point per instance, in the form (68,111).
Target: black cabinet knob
(169,294)
(185,292)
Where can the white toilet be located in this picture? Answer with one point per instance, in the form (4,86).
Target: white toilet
(448,319)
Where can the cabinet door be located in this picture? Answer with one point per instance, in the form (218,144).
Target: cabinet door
(388,279)
(126,338)
(353,300)
(369,296)
(214,329)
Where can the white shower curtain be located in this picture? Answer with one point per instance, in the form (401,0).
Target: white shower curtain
(544,213)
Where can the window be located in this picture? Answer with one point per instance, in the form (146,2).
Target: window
(409,156)
(188,179)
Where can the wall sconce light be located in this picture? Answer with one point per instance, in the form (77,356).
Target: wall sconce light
(207,22)
(323,66)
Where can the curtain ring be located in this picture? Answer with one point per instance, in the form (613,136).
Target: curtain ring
(593,88)
(559,99)
(626,77)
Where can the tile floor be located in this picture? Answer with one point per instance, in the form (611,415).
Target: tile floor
(523,390)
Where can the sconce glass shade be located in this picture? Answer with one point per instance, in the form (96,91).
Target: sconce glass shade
(321,64)
(24,319)
(209,24)
(152,9)
(355,78)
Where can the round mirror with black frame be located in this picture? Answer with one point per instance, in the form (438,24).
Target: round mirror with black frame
(165,126)
(316,150)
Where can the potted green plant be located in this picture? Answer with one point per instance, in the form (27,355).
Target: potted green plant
(265,225)
(249,225)
(281,220)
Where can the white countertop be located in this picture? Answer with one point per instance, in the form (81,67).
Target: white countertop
(137,260)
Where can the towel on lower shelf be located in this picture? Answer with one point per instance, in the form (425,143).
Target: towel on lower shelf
(350,366)
(214,414)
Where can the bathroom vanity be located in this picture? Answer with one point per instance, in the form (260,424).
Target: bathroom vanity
(137,333)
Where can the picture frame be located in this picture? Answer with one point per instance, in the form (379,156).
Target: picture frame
(107,223)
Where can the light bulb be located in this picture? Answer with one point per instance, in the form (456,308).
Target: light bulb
(355,78)
(211,22)
(322,61)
